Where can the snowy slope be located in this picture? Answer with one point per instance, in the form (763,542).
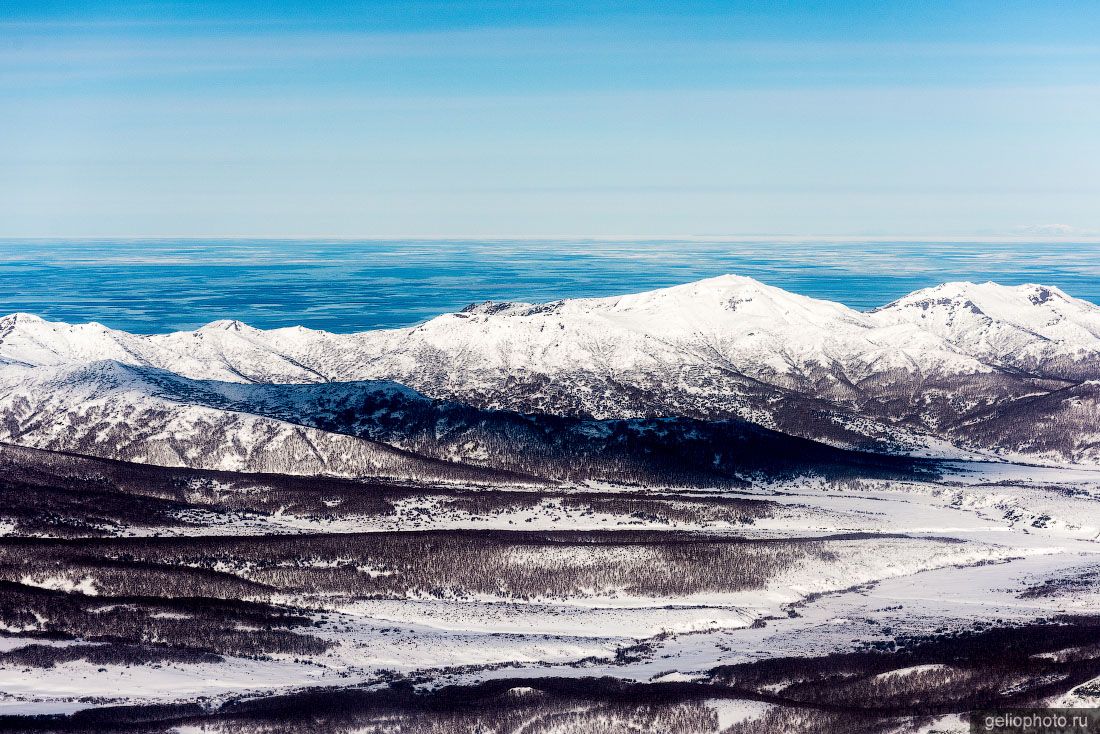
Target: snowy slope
(116,411)
(146,415)
(930,373)
(764,330)
(1034,328)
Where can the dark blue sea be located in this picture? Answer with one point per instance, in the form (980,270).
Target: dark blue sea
(164,285)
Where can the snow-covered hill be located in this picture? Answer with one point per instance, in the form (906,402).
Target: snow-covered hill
(947,371)
(384,430)
(120,412)
(1034,328)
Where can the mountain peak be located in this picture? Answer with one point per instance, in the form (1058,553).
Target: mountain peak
(226,325)
(20,318)
(488,308)
(718,287)
(724,295)
(984,297)
(723,284)
(731,279)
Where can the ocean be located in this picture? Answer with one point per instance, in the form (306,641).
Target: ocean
(152,286)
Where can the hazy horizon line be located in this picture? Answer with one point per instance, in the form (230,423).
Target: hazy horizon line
(1081,238)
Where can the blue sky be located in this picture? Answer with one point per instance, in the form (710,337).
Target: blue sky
(500,119)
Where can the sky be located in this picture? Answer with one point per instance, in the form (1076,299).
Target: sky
(556,119)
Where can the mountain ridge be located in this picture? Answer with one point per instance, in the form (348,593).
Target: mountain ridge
(942,372)
(382,430)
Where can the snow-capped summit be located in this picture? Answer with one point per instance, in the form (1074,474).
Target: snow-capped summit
(1031,305)
(12,320)
(28,339)
(1031,327)
(731,292)
(727,301)
(226,325)
(691,305)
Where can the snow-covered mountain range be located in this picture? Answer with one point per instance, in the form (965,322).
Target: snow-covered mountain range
(960,370)
(384,430)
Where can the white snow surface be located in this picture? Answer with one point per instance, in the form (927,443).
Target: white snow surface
(728,346)
(953,327)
